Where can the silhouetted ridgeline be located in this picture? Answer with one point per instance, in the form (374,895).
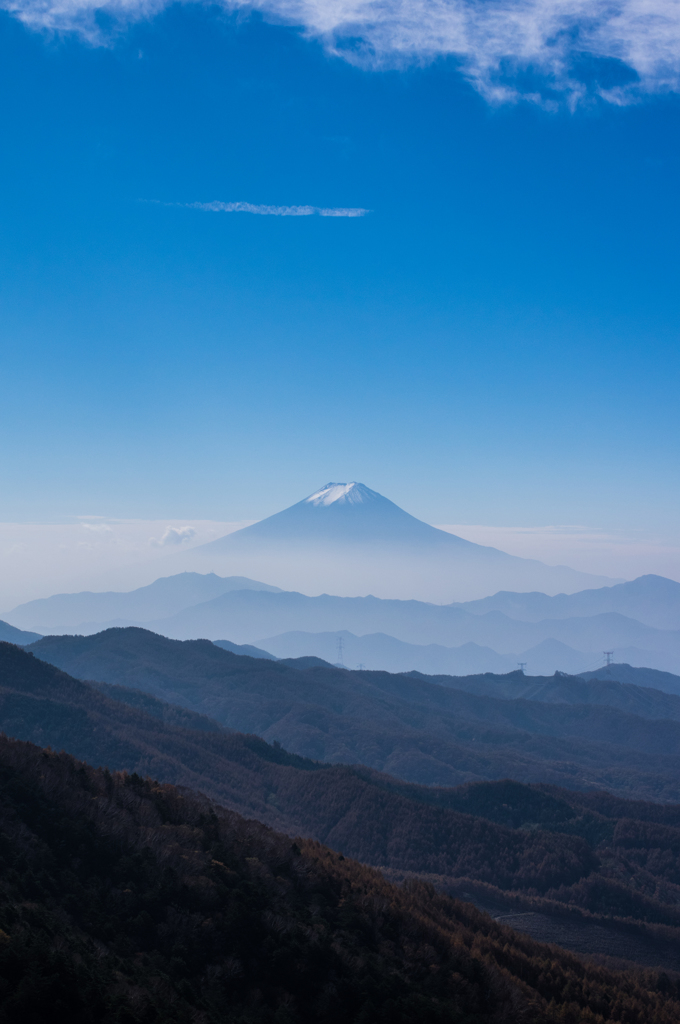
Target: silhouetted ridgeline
(589,852)
(664,681)
(608,691)
(123,900)
(404,725)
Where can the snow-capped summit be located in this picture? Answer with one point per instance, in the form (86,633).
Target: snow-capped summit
(344,494)
(338,514)
(345,537)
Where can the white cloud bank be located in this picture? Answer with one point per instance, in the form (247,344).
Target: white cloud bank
(94,553)
(277,211)
(585,548)
(540,49)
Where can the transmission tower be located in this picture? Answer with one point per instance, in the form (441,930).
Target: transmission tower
(341,649)
(521,665)
(608,657)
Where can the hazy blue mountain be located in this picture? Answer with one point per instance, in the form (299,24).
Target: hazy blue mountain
(379,651)
(87,612)
(636,696)
(246,649)
(653,600)
(382,652)
(423,731)
(666,681)
(12,635)
(552,655)
(349,539)
(248,616)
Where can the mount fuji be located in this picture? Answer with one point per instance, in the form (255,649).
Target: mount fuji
(347,539)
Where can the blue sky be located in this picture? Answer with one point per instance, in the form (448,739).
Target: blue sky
(496,342)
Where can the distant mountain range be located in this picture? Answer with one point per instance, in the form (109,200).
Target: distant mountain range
(12,635)
(652,600)
(380,651)
(495,634)
(348,539)
(429,731)
(85,612)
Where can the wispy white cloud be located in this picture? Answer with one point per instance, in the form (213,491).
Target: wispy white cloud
(275,211)
(174,535)
(617,49)
(101,528)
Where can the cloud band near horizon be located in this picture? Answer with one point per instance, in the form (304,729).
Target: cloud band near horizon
(544,50)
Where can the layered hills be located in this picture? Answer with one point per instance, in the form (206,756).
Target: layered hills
(12,635)
(126,900)
(407,725)
(652,600)
(544,851)
(388,634)
(83,612)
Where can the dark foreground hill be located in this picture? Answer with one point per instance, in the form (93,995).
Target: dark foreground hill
(363,814)
(123,900)
(408,726)
(608,867)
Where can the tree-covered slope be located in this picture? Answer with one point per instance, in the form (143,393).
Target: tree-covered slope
(591,851)
(122,900)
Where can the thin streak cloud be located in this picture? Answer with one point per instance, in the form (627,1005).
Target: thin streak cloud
(544,50)
(277,211)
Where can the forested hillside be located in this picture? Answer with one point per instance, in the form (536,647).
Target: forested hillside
(587,852)
(123,900)
(407,726)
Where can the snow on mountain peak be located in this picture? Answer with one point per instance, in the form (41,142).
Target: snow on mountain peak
(345,494)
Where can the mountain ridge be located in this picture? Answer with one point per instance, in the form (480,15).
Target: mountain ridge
(570,641)
(651,599)
(165,596)
(13,635)
(248,617)
(413,728)
(382,652)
